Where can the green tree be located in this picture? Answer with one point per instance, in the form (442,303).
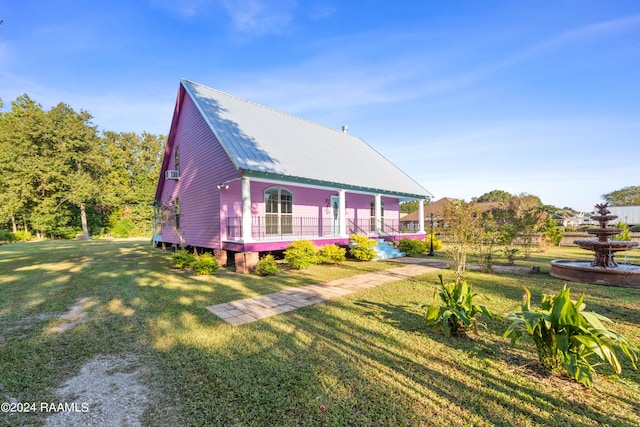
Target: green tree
(463,230)
(71,159)
(627,196)
(133,167)
(494,196)
(411,206)
(20,188)
(519,219)
(551,232)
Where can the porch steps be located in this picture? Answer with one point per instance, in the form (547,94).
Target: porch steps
(386,250)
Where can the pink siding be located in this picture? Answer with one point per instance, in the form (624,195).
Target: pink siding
(203,165)
(205,208)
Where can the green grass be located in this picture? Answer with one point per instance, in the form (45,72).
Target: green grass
(367,357)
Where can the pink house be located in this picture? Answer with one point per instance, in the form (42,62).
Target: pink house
(241,178)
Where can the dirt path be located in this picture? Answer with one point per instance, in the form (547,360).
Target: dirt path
(108,391)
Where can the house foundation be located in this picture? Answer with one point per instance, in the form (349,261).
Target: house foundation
(246,261)
(221,256)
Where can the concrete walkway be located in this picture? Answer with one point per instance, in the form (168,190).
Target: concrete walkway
(250,309)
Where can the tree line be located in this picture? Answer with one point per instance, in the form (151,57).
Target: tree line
(60,176)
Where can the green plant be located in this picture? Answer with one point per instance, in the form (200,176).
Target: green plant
(182,259)
(624,233)
(66,232)
(301,254)
(457,311)
(465,229)
(510,254)
(566,335)
(362,248)
(205,264)
(332,254)
(437,243)
(121,227)
(551,232)
(6,237)
(412,247)
(23,236)
(267,266)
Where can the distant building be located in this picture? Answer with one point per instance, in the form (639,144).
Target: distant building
(627,214)
(434,212)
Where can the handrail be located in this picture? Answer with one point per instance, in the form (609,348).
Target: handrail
(356,228)
(267,228)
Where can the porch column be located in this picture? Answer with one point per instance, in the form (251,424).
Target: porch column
(421,216)
(342,215)
(378,214)
(246,209)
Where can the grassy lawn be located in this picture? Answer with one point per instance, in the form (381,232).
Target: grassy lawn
(366,357)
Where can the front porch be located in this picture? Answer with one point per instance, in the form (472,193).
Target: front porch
(269,234)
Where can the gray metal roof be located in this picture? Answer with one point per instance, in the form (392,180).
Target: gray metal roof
(271,144)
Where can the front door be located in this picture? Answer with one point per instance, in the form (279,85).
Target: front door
(335,215)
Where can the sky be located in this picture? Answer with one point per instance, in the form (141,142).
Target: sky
(468,96)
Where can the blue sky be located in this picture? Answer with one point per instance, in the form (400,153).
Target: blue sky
(538,97)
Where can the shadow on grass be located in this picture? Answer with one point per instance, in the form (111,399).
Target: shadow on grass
(365,357)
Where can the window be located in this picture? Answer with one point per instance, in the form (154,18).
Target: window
(278,205)
(177,212)
(372,222)
(176,158)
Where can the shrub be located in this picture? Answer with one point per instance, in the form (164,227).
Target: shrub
(301,254)
(6,237)
(566,335)
(205,264)
(634,229)
(182,259)
(412,247)
(66,232)
(332,254)
(624,232)
(362,248)
(457,312)
(23,236)
(121,227)
(267,266)
(437,243)
(510,254)
(551,233)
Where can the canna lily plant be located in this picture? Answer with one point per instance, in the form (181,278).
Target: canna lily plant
(457,312)
(567,336)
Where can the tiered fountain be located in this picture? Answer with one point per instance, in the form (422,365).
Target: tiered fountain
(603,270)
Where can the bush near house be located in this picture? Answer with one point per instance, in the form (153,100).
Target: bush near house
(332,254)
(205,264)
(362,248)
(182,259)
(267,266)
(301,254)
(412,247)
(437,243)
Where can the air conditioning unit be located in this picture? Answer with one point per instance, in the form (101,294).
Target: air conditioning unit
(172,174)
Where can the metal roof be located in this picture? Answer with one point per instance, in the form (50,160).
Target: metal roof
(271,144)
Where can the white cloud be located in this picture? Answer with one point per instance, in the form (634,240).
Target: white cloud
(185,8)
(572,37)
(260,17)
(250,17)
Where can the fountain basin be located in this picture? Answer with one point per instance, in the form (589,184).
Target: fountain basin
(576,270)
